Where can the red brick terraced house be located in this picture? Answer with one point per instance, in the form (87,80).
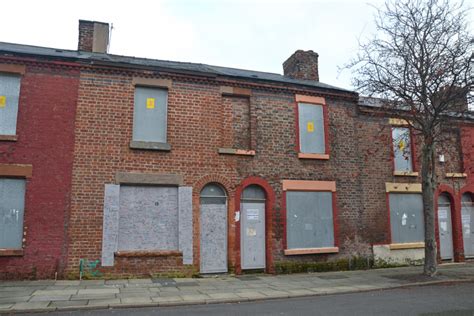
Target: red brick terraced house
(171,167)
(38,99)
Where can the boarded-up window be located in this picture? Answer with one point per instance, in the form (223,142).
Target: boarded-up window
(406,217)
(150,114)
(311,126)
(9,96)
(148,218)
(402,154)
(12,207)
(309,219)
(236,122)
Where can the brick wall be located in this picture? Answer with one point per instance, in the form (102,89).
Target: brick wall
(45,132)
(200,121)
(104,130)
(86,36)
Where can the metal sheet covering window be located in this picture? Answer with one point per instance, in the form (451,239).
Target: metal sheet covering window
(309,218)
(150,114)
(311,128)
(148,218)
(12,207)
(9,96)
(402,154)
(406,217)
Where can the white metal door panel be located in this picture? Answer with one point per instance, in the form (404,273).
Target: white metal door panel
(445,232)
(252,235)
(213,238)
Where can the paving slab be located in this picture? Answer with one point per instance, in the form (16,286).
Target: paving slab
(68,304)
(68,282)
(221,296)
(196,297)
(275,294)
(251,295)
(32,306)
(99,291)
(92,282)
(301,292)
(41,282)
(15,293)
(92,297)
(140,281)
(164,300)
(19,288)
(135,300)
(135,295)
(48,298)
(55,292)
(13,299)
(104,302)
(5,307)
(116,282)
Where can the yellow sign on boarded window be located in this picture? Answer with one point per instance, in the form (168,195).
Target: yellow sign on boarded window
(310,127)
(150,103)
(401,145)
(3,101)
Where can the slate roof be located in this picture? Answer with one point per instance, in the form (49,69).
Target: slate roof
(173,66)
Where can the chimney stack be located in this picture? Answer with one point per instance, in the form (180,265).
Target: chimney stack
(93,36)
(302,65)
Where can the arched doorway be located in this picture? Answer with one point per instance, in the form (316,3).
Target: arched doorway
(445,227)
(467,215)
(213,229)
(252,228)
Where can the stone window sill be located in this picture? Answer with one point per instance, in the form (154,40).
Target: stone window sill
(408,245)
(313,156)
(150,145)
(456,175)
(405,173)
(239,152)
(151,253)
(307,251)
(8,138)
(11,252)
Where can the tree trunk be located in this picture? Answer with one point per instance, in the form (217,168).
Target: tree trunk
(428,178)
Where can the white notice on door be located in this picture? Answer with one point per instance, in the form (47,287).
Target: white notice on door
(252,214)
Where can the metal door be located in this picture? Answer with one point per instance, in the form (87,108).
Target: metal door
(252,228)
(445,228)
(213,227)
(467,216)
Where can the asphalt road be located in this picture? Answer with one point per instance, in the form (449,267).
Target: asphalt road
(454,299)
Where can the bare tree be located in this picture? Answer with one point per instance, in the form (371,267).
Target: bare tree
(419,62)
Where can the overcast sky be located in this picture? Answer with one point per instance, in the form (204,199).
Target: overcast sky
(257,35)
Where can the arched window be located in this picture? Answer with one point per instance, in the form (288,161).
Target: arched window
(444,200)
(253,193)
(213,194)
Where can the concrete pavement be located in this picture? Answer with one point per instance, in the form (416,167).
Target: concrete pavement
(50,295)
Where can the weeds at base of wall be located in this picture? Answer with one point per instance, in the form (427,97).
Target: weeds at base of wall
(92,270)
(392,263)
(189,271)
(354,263)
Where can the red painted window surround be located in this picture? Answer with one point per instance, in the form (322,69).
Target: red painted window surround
(319,101)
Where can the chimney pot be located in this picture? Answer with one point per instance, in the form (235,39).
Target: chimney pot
(302,65)
(93,36)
